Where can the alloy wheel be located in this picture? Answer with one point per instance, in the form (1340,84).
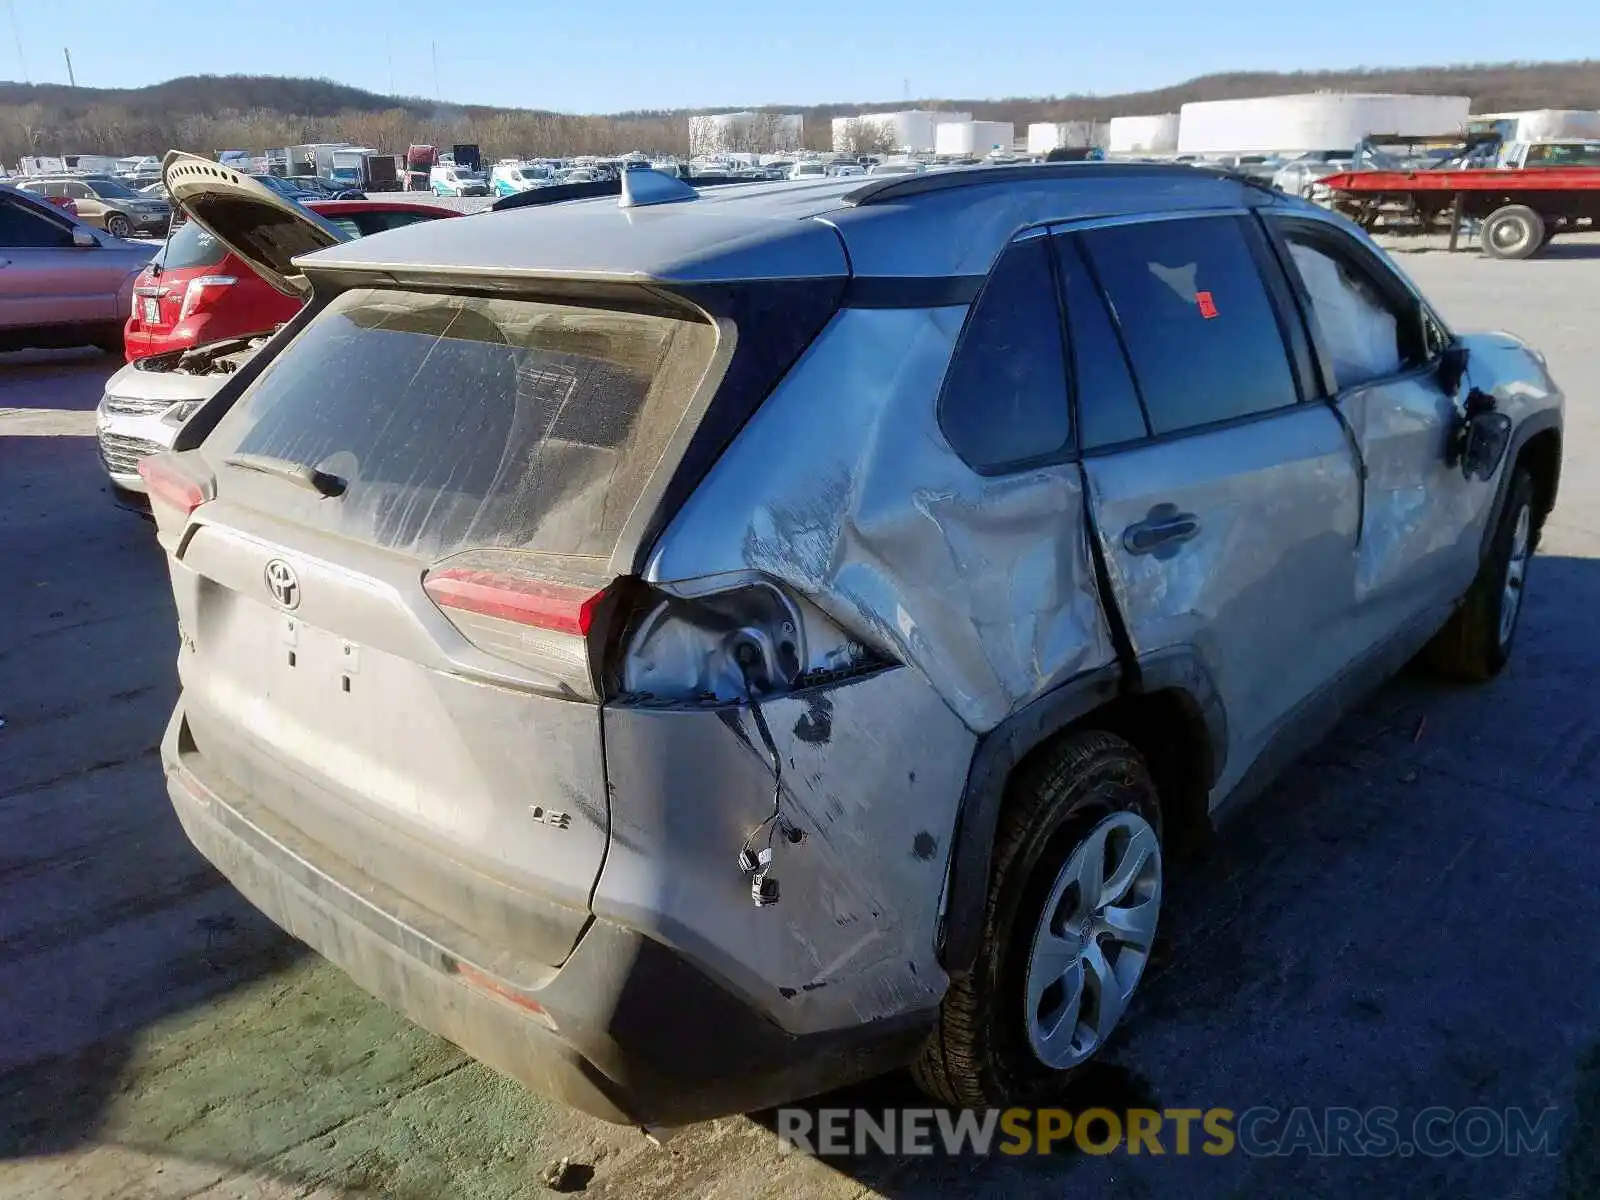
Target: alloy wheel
(1093,940)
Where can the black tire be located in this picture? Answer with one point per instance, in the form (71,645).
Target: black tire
(979,1054)
(118,226)
(1471,648)
(1512,232)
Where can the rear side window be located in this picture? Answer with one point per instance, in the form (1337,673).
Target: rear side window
(462,422)
(190,246)
(1005,397)
(1197,320)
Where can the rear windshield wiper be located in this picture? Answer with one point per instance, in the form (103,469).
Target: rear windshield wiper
(319,482)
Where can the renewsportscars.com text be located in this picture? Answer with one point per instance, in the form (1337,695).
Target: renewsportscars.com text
(1259,1132)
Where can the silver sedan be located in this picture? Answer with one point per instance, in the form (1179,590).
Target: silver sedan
(61,282)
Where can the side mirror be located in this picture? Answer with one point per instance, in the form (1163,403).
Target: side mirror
(84,237)
(1452,368)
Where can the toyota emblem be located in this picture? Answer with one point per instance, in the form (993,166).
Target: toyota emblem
(283,583)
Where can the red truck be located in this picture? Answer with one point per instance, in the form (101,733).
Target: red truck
(1518,210)
(419,161)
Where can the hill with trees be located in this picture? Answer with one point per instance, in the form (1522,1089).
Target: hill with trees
(206,113)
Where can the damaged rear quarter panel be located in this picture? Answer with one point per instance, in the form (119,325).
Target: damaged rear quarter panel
(873,771)
(843,488)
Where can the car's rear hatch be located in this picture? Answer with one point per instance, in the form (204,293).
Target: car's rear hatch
(388,604)
(396,557)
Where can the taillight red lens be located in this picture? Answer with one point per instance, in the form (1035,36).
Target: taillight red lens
(168,484)
(202,290)
(558,607)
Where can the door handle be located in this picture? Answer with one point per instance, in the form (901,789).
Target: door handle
(1161,532)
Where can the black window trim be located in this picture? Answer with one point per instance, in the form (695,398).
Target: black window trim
(1068,242)
(1068,451)
(1390,283)
(1274,299)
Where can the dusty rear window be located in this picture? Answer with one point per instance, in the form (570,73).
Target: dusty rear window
(462,422)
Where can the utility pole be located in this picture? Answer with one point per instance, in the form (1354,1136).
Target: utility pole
(16,32)
(71,78)
(388,49)
(436,72)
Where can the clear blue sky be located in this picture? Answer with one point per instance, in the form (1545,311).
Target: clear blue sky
(608,55)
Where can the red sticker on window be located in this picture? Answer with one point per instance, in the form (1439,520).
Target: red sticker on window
(1208,307)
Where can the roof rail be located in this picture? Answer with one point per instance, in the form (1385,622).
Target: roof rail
(904,187)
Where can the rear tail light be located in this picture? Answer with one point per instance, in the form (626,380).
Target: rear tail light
(744,642)
(541,603)
(170,486)
(609,637)
(195,294)
(516,608)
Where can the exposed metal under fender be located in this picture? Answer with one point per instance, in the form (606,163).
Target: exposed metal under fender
(984,585)
(872,769)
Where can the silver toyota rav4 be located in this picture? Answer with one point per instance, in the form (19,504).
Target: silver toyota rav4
(694,650)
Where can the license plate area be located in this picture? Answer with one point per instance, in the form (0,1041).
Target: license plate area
(150,310)
(318,659)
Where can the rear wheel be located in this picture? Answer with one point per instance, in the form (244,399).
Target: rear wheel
(1515,231)
(118,226)
(1475,643)
(1069,924)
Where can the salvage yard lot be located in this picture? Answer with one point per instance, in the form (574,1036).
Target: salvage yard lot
(1406,920)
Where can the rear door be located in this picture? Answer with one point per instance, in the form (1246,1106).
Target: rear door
(385,606)
(1378,348)
(1226,505)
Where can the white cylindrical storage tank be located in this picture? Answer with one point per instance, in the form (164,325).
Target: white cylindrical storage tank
(1541,123)
(1316,121)
(908,132)
(973,139)
(1143,135)
(1045,136)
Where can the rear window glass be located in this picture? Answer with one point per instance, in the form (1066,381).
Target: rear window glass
(463,422)
(190,246)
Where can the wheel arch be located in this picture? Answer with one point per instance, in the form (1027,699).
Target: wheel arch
(1541,455)
(1168,709)
(1536,445)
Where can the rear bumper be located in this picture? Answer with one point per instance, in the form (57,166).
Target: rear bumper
(627,1029)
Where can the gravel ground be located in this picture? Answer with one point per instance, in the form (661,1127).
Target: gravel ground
(1406,920)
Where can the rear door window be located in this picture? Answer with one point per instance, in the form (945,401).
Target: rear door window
(1200,326)
(464,422)
(1005,398)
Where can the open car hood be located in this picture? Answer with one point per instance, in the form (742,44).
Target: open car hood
(263,228)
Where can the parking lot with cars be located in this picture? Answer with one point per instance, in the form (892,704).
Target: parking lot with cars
(1388,925)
